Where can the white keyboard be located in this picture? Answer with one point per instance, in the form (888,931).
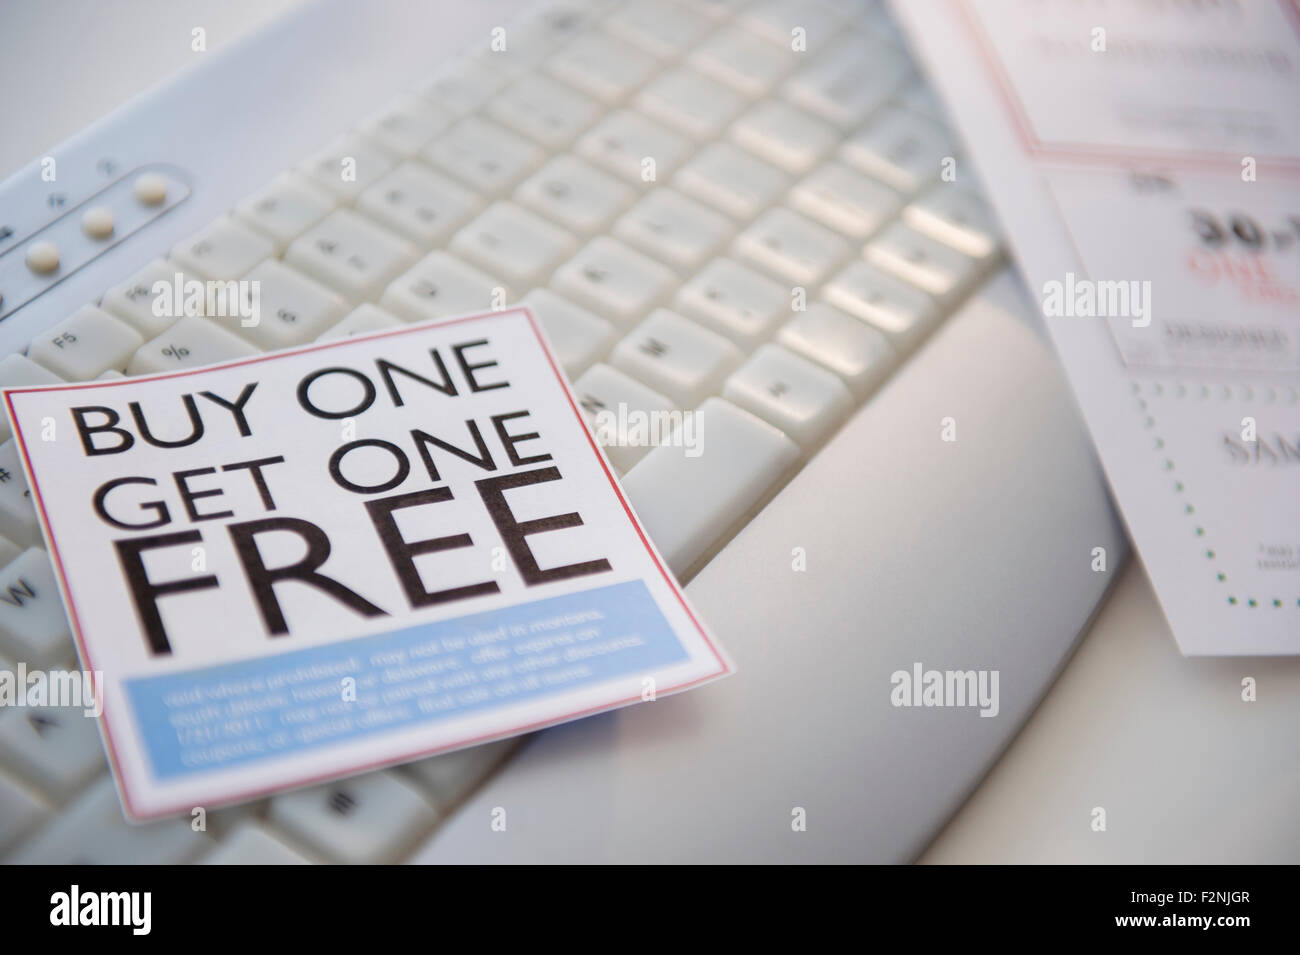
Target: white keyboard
(703,216)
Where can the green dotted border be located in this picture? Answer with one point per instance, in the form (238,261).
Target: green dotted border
(1181,488)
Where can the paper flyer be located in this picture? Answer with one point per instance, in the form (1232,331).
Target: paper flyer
(1144,160)
(324,560)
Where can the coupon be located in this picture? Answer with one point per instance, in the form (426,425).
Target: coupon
(1209,411)
(1144,161)
(321,561)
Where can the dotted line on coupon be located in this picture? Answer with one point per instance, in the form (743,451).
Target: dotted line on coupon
(1287,394)
(1180,488)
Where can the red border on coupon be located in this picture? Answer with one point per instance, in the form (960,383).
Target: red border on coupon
(1084,152)
(723,666)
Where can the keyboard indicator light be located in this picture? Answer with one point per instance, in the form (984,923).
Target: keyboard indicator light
(42,257)
(98,222)
(151,189)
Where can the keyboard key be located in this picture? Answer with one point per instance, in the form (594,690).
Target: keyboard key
(8,552)
(791,247)
(935,267)
(577,337)
(466,83)
(842,199)
(674,356)
(365,820)
(33,626)
(606,391)
(636,149)
(735,301)
(350,254)
(452,776)
(858,353)
(222,823)
(347,166)
(85,344)
(730,179)
(17,514)
(294,309)
(919,97)
(673,229)
(189,343)
(55,748)
(518,49)
(284,209)
(419,204)
(575,194)
(530,39)
(877,17)
(802,399)
(687,503)
(544,110)
(614,281)
(21,811)
(719,10)
(252,844)
(17,371)
(486,157)
(784,136)
(406,125)
(515,244)
(901,148)
(897,308)
(848,82)
(743,60)
(362,319)
(561,21)
(133,300)
(92,831)
(523,44)
(956,217)
(777,19)
(602,66)
(690,102)
(660,27)
(440,284)
(224,250)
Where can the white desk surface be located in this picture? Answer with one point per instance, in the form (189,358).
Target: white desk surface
(1186,771)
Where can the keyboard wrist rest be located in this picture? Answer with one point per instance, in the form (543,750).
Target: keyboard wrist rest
(807,720)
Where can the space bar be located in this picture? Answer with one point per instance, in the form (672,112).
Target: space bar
(688,494)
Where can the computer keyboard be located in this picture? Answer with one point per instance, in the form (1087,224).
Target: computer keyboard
(749,211)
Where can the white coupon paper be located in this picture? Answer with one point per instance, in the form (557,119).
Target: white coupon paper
(342,556)
(1153,150)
